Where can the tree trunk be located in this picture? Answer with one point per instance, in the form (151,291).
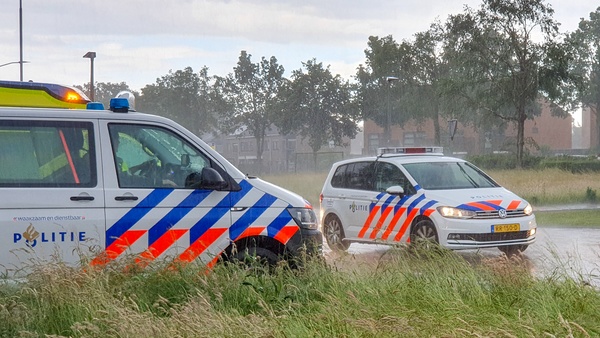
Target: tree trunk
(436,127)
(520,137)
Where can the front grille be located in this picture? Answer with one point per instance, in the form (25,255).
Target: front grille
(490,237)
(494,214)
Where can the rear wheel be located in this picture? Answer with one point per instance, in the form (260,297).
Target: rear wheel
(512,250)
(334,234)
(424,232)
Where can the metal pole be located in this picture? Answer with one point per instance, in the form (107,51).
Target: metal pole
(21,36)
(388,127)
(92,80)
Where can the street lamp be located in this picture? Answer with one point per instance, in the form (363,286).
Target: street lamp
(13,63)
(387,130)
(91,56)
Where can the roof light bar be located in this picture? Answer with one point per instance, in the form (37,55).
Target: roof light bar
(410,150)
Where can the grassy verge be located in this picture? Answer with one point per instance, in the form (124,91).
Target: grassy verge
(571,218)
(406,293)
(539,187)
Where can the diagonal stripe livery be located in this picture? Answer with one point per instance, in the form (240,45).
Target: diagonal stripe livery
(202,234)
(394,209)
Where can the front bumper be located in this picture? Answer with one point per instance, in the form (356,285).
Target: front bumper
(475,233)
(305,241)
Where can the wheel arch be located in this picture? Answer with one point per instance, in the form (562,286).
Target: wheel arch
(264,242)
(419,218)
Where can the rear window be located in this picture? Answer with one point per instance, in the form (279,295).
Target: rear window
(358,175)
(46,154)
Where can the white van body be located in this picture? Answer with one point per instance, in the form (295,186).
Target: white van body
(395,198)
(61,197)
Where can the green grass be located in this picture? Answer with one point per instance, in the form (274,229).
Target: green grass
(539,187)
(571,218)
(406,293)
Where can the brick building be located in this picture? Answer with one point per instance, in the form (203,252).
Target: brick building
(550,133)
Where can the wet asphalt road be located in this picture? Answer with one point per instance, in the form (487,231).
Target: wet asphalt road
(557,251)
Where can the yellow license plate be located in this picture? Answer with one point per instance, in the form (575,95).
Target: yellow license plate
(506,227)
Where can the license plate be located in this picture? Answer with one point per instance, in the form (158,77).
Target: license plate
(506,227)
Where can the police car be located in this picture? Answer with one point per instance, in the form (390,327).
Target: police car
(115,183)
(405,194)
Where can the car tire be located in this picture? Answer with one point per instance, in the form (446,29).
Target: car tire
(334,234)
(254,255)
(424,231)
(512,250)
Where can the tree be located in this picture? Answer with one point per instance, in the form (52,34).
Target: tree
(380,83)
(318,106)
(251,92)
(183,96)
(104,91)
(586,41)
(499,65)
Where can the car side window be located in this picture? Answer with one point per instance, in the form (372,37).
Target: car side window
(338,178)
(47,154)
(360,176)
(387,175)
(153,157)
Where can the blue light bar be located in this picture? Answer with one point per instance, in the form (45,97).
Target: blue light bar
(95,106)
(119,105)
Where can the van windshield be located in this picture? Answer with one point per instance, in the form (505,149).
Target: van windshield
(449,175)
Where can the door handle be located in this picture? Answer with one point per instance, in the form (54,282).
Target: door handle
(126,198)
(82,198)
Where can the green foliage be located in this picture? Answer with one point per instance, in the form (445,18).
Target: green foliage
(405,292)
(572,164)
(319,107)
(585,44)
(503,161)
(501,69)
(184,96)
(252,94)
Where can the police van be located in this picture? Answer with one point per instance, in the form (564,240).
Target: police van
(107,184)
(416,193)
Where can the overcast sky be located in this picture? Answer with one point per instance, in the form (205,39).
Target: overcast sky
(137,41)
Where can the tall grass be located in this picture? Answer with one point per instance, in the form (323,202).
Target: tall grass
(406,293)
(539,187)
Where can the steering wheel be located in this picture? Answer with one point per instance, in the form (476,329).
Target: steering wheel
(150,170)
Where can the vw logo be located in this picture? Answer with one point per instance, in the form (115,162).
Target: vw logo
(502,213)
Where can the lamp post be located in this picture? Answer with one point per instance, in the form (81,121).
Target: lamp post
(388,125)
(91,56)
(21,38)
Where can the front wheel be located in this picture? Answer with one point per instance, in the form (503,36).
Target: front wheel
(255,256)
(512,250)
(334,234)
(424,232)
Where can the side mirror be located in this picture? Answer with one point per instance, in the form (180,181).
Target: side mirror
(209,179)
(395,190)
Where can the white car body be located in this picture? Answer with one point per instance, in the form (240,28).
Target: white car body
(380,212)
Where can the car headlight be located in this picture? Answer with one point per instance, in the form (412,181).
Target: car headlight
(528,210)
(451,212)
(304,217)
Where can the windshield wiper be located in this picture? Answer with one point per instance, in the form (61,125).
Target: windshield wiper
(467,176)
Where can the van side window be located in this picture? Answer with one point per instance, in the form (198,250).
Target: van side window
(387,175)
(47,154)
(153,157)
